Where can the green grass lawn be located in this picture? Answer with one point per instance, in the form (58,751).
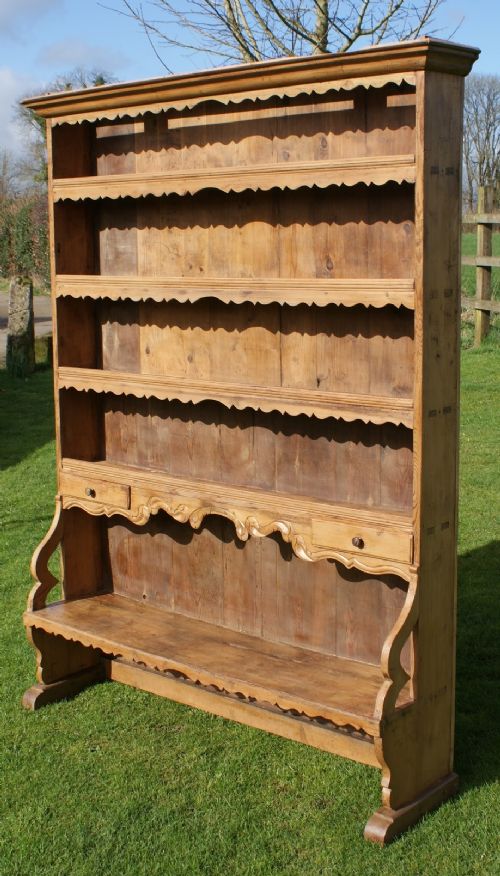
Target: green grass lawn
(37,290)
(120,783)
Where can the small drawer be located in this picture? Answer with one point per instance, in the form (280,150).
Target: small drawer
(95,490)
(389,544)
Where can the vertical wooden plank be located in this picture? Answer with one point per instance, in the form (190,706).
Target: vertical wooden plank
(117,234)
(120,333)
(242,581)
(79,343)
(428,755)
(81,429)
(84,536)
(196,569)
(116,147)
(73,152)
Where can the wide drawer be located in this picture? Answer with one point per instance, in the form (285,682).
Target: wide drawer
(375,541)
(94,490)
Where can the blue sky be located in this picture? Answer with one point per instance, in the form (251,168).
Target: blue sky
(42,38)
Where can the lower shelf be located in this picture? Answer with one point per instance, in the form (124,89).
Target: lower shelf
(307,682)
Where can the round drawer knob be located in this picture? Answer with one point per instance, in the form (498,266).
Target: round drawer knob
(90,492)
(358,542)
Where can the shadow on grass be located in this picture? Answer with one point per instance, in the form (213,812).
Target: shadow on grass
(26,415)
(477,750)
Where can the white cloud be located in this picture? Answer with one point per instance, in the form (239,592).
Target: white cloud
(16,15)
(68,53)
(12,87)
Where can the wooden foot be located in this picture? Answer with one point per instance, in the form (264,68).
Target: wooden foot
(386,824)
(42,694)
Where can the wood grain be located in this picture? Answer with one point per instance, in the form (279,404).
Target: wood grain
(279,674)
(321,292)
(347,406)
(300,729)
(290,175)
(255,277)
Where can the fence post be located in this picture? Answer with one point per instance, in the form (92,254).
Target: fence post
(21,330)
(483,274)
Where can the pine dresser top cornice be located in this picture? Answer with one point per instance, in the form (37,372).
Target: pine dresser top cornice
(237,82)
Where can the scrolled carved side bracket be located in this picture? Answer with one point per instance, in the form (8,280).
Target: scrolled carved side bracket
(395,676)
(45,581)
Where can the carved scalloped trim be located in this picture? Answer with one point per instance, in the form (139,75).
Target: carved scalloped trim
(232,298)
(317,88)
(318,292)
(350,728)
(244,527)
(44,579)
(322,410)
(113,193)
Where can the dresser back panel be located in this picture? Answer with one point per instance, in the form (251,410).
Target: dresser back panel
(255,587)
(341,232)
(338,125)
(328,459)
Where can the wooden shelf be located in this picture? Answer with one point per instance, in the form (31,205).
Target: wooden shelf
(315,529)
(292,175)
(346,406)
(314,684)
(349,292)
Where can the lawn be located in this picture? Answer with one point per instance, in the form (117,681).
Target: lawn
(120,783)
(37,290)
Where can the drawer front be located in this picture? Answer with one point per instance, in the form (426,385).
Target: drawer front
(388,544)
(95,490)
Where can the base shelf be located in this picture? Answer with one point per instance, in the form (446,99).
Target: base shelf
(310,683)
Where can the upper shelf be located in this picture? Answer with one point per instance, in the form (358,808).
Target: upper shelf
(286,400)
(321,292)
(292,175)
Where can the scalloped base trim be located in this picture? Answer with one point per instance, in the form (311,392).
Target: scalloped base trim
(323,735)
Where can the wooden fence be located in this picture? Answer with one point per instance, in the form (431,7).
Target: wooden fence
(484,262)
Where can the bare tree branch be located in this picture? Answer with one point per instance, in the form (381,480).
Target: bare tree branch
(252,30)
(481,148)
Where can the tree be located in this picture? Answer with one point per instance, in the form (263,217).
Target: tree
(23,199)
(481,136)
(9,172)
(253,30)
